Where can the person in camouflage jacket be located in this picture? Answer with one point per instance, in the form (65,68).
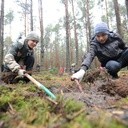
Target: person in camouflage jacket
(20,59)
(109,49)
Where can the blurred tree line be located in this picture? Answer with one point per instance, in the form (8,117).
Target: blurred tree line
(67,41)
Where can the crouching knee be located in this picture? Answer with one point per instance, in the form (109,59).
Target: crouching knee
(113,67)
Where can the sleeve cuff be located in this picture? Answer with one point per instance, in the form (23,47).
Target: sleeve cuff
(84,68)
(16,69)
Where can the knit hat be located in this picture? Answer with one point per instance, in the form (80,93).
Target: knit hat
(101,28)
(32,36)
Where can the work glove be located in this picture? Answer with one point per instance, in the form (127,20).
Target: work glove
(21,72)
(78,75)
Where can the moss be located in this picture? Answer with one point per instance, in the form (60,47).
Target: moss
(24,105)
(71,106)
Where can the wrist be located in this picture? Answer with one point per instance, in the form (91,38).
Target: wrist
(16,69)
(84,68)
(82,71)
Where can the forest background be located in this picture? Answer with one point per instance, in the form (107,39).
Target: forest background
(65,27)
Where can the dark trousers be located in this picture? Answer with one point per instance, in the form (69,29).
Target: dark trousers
(114,66)
(29,62)
(11,78)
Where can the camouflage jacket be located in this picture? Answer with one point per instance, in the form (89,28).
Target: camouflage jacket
(111,50)
(16,55)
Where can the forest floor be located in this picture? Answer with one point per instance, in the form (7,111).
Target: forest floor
(104,102)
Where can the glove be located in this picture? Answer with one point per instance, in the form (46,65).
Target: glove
(21,72)
(78,75)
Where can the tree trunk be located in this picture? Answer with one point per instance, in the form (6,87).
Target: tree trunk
(118,20)
(106,8)
(57,60)
(41,31)
(75,35)
(87,24)
(31,14)
(67,36)
(25,21)
(126,4)
(1,33)
(88,21)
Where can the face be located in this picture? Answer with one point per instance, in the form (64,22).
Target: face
(102,37)
(32,43)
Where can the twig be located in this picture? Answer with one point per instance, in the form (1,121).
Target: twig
(79,85)
(71,117)
(68,89)
(11,110)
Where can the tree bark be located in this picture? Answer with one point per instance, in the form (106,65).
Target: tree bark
(31,14)
(1,34)
(118,20)
(75,35)
(67,36)
(41,31)
(126,4)
(106,8)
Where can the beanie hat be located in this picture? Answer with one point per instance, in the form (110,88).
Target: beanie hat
(32,36)
(101,28)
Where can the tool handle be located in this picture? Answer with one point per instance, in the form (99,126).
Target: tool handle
(40,86)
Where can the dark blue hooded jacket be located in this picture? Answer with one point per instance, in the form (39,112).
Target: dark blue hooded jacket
(110,50)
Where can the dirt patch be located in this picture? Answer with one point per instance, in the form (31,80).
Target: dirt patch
(98,88)
(93,94)
(99,91)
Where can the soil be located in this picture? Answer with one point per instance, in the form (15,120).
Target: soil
(99,92)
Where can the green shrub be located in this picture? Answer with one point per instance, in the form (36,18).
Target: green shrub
(53,71)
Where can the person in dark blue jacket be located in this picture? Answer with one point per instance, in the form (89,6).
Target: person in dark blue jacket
(109,49)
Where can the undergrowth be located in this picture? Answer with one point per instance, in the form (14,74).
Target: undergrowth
(26,106)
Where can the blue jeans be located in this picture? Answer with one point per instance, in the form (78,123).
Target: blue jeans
(114,66)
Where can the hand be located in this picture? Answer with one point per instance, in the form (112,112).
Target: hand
(102,68)
(21,72)
(78,75)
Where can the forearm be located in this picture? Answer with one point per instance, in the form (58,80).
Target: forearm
(11,63)
(87,61)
